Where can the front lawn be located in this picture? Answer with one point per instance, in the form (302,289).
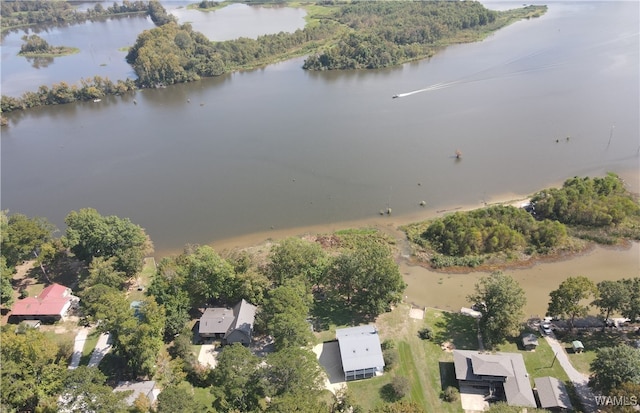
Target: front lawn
(592,341)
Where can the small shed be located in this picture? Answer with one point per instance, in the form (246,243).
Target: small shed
(577,345)
(530,341)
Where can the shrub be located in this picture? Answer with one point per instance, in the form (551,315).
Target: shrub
(387,345)
(400,386)
(451,394)
(425,333)
(390,357)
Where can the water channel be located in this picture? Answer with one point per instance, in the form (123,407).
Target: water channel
(275,148)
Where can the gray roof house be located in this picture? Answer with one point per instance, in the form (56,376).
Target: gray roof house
(360,352)
(502,375)
(552,394)
(148,388)
(232,325)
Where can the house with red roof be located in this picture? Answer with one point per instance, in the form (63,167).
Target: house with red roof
(51,305)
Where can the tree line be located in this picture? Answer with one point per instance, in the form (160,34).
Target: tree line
(23,13)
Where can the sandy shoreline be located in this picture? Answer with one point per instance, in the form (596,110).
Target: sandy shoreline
(385,223)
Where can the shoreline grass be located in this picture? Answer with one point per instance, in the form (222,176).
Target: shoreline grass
(57,51)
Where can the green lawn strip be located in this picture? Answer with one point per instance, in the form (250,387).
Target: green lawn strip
(63,340)
(89,346)
(407,368)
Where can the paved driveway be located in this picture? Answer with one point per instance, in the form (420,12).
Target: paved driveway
(78,346)
(580,381)
(103,346)
(329,358)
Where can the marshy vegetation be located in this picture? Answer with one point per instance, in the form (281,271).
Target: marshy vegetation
(594,209)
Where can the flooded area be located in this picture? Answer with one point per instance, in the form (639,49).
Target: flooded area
(449,291)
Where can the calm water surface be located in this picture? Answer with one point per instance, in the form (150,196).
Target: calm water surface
(100,42)
(281,147)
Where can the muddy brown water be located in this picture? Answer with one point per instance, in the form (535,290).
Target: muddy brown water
(449,291)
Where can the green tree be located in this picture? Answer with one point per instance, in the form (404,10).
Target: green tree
(141,344)
(235,379)
(91,235)
(34,44)
(631,308)
(102,271)
(205,274)
(303,402)
(292,370)
(614,366)
(294,257)
(23,237)
(32,371)
(284,316)
(367,278)
(569,299)
(6,289)
(626,391)
(177,399)
(612,296)
(85,391)
(501,301)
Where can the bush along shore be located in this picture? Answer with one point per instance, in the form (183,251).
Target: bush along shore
(557,221)
(365,35)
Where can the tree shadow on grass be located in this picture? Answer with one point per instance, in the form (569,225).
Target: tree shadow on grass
(592,339)
(334,311)
(461,330)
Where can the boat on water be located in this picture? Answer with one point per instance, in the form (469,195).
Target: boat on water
(395,97)
(97,100)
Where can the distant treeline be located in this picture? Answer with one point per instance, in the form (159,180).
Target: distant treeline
(23,13)
(62,92)
(387,33)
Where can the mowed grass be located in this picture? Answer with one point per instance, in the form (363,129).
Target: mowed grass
(428,368)
(592,341)
(143,279)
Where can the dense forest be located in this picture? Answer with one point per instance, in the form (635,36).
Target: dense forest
(387,33)
(598,209)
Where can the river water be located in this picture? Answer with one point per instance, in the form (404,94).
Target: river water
(280,147)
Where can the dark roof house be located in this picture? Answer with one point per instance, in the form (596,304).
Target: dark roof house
(52,304)
(530,341)
(504,376)
(232,325)
(552,394)
(360,352)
